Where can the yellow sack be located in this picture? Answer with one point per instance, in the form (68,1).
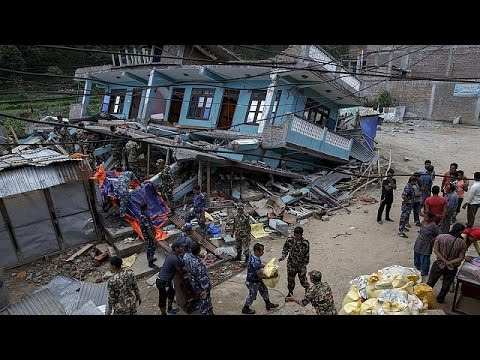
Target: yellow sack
(380,281)
(408,288)
(270,269)
(368,307)
(352,295)
(373,292)
(423,291)
(208,217)
(398,280)
(352,308)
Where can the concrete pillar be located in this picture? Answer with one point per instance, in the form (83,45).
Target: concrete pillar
(128,102)
(86,97)
(150,92)
(142,99)
(269,100)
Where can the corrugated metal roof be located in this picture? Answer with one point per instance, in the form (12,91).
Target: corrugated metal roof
(37,157)
(65,289)
(20,180)
(324,182)
(97,293)
(88,309)
(42,302)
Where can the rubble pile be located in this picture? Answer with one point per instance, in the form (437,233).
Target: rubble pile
(83,267)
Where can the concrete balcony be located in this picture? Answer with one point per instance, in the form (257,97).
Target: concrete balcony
(297,133)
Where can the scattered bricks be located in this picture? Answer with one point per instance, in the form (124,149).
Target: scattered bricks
(22,275)
(101,257)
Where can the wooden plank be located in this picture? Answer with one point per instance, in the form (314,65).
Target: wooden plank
(79,252)
(179,222)
(112,122)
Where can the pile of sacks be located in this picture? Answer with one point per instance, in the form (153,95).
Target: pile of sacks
(393,290)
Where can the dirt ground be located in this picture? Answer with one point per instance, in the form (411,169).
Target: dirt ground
(370,246)
(348,245)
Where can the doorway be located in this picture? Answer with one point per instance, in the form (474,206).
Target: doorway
(229,104)
(136,97)
(176,105)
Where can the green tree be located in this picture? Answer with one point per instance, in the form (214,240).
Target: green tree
(385,99)
(11,57)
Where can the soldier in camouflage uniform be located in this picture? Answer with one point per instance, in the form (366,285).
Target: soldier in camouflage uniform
(133,152)
(254,281)
(123,292)
(66,140)
(408,197)
(320,295)
(121,188)
(199,204)
(199,279)
(298,251)
(117,146)
(241,230)
(167,182)
(148,232)
(87,147)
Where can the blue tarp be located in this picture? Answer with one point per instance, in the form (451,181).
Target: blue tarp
(369,128)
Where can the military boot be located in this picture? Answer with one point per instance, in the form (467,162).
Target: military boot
(239,255)
(247,310)
(270,305)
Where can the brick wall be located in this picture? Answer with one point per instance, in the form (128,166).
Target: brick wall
(434,61)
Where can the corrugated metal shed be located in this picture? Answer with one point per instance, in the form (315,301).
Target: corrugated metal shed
(42,302)
(20,180)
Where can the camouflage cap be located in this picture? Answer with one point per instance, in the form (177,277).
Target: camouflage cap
(315,275)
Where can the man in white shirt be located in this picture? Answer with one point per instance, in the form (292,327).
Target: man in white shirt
(472,200)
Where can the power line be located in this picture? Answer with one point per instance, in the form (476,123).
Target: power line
(143,140)
(121,53)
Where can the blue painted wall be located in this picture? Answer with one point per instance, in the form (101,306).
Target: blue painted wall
(214,110)
(290,101)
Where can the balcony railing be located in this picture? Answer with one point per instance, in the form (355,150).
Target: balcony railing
(300,132)
(134,55)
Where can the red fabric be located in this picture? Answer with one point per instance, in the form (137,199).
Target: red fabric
(473,232)
(99,175)
(436,204)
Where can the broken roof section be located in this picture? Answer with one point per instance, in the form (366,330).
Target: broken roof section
(37,157)
(38,169)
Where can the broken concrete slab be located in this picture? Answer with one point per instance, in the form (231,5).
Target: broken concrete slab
(152,279)
(140,267)
(278,225)
(288,199)
(114,235)
(125,249)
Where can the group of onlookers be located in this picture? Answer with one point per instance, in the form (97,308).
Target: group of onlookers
(439,213)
